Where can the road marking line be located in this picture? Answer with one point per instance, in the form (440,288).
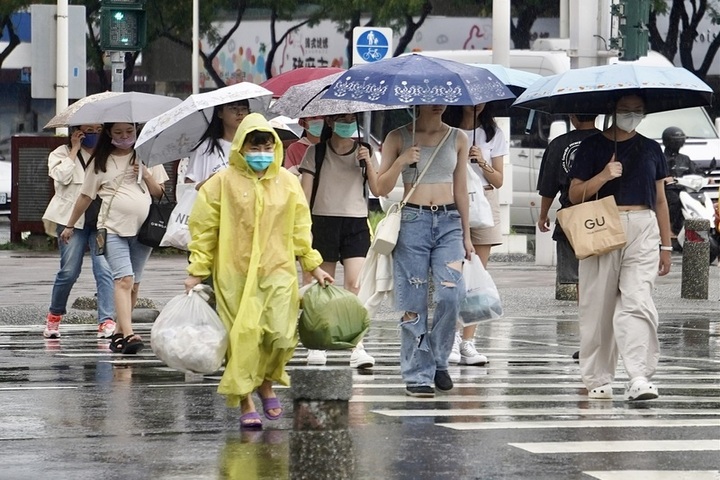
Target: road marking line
(542,412)
(514,398)
(684,445)
(656,474)
(546,424)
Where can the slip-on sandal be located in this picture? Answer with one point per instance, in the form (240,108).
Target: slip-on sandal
(271,404)
(247,421)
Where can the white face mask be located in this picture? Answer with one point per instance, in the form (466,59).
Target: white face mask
(629,121)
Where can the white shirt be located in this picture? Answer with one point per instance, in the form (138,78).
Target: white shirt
(204,164)
(497,147)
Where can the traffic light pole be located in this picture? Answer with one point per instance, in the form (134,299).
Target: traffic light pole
(117,62)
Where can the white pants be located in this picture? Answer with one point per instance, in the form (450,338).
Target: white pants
(617,312)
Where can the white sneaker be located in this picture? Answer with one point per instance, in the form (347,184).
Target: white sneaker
(359,358)
(470,356)
(106,329)
(604,392)
(454,357)
(52,326)
(641,389)
(316,357)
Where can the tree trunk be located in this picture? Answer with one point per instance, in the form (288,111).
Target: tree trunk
(14,38)
(411,27)
(520,34)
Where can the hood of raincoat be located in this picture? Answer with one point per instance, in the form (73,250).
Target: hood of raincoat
(253,122)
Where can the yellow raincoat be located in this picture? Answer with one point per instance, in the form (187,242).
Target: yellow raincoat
(247,232)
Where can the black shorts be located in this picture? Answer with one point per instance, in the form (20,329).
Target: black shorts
(337,238)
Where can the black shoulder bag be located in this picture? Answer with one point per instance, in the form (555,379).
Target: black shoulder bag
(153,229)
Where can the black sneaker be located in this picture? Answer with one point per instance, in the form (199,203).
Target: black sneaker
(443,382)
(424,391)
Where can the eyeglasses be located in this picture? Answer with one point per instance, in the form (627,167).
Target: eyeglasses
(237,110)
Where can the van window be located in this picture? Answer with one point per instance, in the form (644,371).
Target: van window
(693,121)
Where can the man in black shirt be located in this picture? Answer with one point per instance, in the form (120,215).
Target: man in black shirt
(553,178)
(678,165)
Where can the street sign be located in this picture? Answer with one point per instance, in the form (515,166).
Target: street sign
(371,44)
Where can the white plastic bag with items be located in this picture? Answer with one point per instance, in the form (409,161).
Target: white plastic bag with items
(178,234)
(188,335)
(482,299)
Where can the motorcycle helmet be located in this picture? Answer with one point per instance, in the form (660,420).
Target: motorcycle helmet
(673,138)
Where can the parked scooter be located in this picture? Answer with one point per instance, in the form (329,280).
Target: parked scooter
(697,205)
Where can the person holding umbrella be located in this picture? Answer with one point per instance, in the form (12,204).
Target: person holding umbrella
(486,154)
(336,174)
(125,205)
(210,155)
(434,237)
(617,312)
(67,165)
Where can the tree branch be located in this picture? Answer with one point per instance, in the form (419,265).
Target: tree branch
(14,38)
(276,44)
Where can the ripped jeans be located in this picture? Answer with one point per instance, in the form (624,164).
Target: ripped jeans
(429,242)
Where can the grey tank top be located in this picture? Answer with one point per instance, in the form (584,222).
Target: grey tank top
(442,168)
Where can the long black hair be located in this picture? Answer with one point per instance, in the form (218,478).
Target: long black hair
(104,148)
(485,119)
(215,130)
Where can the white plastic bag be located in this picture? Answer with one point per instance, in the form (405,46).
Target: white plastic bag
(177,234)
(482,299)
(480,213)
(188,335)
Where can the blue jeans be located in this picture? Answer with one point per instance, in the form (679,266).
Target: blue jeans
(71,260)
(429,242)
(126,256)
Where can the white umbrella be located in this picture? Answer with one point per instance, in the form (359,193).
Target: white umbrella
(108,107)
(173,134)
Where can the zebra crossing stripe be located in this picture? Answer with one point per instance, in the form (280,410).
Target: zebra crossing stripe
(625,423)
(656,474)
(366,382)
(511,398)
(618,446)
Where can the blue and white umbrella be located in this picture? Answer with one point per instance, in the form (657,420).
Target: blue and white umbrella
(418,80)
(594,89)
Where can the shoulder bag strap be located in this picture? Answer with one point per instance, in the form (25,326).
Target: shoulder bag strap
(422,174)
(104,212)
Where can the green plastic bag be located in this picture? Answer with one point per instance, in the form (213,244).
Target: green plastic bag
(332,318)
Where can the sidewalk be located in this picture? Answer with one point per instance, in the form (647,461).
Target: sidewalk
(527,290)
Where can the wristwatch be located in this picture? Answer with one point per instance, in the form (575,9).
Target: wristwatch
(665,248)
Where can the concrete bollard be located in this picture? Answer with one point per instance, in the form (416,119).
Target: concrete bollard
(695,260)
(320,444)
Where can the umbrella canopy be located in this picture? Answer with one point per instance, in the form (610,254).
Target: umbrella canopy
(516,80)
(305,100)
(594,89)
(173,134)
(418,80)
(284,128)
(279,84)
(107,107)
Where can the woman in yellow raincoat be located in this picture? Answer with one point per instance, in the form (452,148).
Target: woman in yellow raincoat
(248,225)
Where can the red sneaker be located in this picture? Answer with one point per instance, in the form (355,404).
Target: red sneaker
(52,326)
(106,329)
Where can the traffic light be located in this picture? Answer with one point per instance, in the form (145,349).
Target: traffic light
(633,35)
(123,25)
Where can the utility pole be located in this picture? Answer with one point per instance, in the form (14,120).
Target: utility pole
(62,81)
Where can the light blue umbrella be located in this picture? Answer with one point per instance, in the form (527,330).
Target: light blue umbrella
(595,89)
(418,80)
(516,80)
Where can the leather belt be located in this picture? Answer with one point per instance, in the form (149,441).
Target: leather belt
(433,208)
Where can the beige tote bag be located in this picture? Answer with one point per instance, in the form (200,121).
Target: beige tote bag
(593,228)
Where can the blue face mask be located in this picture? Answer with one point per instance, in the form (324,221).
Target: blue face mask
(90,140)
(315,127)
(345,130)
(259,161)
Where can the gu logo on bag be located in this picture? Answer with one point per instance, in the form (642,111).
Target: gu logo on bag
(592,223)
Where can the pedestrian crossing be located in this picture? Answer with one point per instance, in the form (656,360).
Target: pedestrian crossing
(528,399)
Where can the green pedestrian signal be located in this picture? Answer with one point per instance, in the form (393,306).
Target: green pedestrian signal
(123,25)
(633,35)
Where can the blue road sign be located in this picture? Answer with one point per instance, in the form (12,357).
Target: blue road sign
(372,45)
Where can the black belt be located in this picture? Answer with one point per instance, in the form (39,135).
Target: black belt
(433,208)
(488,187)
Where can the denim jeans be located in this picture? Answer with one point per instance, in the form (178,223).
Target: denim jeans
(71,260)
(126,256)
(428,243)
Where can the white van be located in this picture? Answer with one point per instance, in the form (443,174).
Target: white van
(527,146)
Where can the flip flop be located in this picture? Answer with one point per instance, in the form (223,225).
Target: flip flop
(247,421)
(271,404)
